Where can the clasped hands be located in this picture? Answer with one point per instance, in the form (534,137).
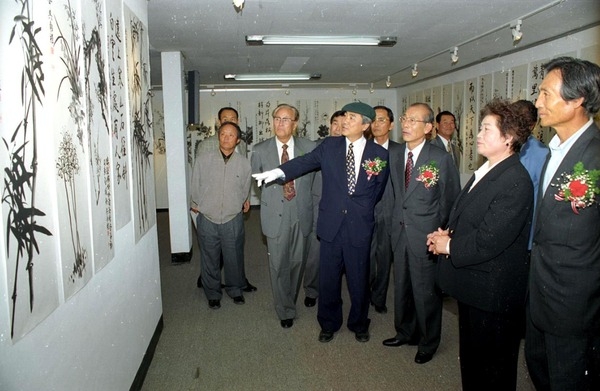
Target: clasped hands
(437,241)
(268,176)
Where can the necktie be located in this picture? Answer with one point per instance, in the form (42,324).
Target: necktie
(350,174)
(408,170)
(289,191)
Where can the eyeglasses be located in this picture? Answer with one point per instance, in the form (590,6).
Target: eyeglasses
(410,121)
(284,121)
(382,120)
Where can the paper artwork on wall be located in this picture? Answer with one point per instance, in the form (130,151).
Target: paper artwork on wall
(500,89)
(470,127)
(98,128)
(140,123)
(119,125)
(67,88)
(28,235)
(518,82)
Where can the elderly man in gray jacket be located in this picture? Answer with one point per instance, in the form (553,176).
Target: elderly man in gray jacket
(220,187)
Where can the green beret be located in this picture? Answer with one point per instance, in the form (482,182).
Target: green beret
(360,108)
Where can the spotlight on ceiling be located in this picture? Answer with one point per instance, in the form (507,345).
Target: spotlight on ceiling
(337,40)
(371,88)
(272,76)
(516,31)
(388,82)
(415,71)
(454,55)
(238,5)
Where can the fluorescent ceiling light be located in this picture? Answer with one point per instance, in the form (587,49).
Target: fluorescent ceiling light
(352,40)
(271,76)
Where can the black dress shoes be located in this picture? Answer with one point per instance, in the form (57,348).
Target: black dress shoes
(239,300)
(287,323)
(394,342)
(249,287)
(325,336)
(214,304)
(362,336)
(199,282)
(310,301)
(381,309)
(422,357)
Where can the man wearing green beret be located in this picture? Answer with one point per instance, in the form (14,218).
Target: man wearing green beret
(355,173)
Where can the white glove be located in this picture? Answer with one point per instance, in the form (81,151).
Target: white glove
(268,176)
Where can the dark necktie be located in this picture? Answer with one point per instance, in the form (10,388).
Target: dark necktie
(350,174)
(289,191)
(408,170)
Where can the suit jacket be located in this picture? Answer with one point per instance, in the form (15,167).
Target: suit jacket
(384,208)
(336,205)
(564,289)
(455,150)
(533,156)
(418,210)
(488,263)
(265,156)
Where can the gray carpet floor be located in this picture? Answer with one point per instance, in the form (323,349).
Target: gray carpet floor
(243,347)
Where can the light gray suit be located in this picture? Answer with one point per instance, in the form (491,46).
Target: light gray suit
(286,224)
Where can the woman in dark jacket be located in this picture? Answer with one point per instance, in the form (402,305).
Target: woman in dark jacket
(485,264)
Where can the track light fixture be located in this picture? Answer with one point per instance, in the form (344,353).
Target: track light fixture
(516,31)
(371,89)
(238,5)
(388,82)
(454,55)
(415,71)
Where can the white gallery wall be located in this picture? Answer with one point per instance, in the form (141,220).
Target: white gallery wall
(80,294)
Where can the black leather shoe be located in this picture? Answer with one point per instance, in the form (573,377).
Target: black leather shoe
(394,342)
(381,309)
(325,336)
(214,304)
(239,300)
(309,301)
(199,282)
(287,323)
(422,357)
(249,287)
(362,336)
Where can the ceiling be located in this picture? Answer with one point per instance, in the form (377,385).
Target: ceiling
(211,36)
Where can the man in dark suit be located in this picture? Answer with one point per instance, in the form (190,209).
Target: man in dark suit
(286,211)
(381,247)
(311,272)
(420,207)
(354,174)
(562,344)
(445,139)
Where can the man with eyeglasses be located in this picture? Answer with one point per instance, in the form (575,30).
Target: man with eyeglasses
(354,172)
(286,211)
(381,247)
(425,184)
